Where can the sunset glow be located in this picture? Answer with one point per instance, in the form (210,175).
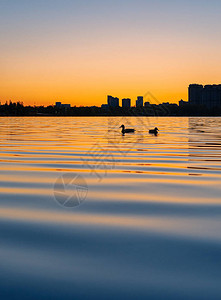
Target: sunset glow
(79,52)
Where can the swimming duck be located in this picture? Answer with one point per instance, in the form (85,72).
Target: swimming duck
(154,131)
(126,130)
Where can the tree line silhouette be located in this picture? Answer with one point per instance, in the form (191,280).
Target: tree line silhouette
(19,109)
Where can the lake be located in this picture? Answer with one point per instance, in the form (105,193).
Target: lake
(87,212)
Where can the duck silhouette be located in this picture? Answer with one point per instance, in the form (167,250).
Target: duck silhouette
(126,130)
(154,131)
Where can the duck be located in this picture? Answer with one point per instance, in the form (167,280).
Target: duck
(126,130)
(154,131)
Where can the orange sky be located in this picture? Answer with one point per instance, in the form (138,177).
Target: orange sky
(79,55)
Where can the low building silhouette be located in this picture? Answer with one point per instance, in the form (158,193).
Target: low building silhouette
(139,101)
(183,103)
(104,106)
(60,105)
(66,105)
(112,102)
(126,103)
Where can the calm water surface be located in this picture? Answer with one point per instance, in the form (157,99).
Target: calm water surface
(149,227)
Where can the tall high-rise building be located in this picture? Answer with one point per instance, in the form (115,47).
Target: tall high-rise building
(126,103)
(195,93)
(211,95)
(208,95)
(139,101)
(112,102)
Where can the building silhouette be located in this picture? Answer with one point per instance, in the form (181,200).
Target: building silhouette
(147,104)
(60,105)
(208,95)
(66,105)
(182,102)
(139,101)
(112,102)
(126,103)
(104,106)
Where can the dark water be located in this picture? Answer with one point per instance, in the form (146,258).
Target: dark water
(149,226)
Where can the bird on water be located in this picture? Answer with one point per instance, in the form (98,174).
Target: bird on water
(126,130)
(154,131)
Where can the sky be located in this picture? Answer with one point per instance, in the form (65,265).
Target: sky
(79,52)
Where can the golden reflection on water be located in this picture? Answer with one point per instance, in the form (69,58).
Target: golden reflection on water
(171,167)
